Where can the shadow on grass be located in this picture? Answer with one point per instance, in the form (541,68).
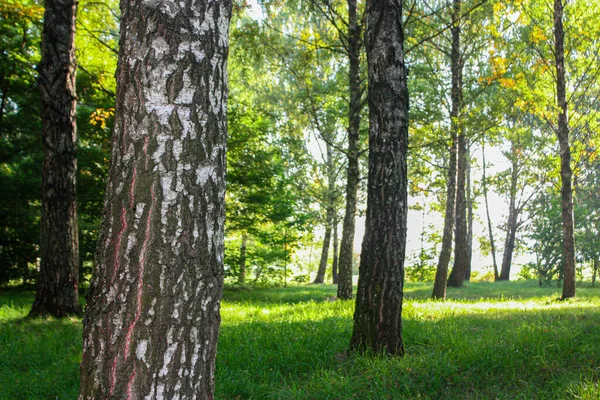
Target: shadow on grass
(473,291)
(545,354)
(39,358)
(289,295)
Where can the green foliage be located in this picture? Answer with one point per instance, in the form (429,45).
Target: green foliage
(21,153)
(489,340)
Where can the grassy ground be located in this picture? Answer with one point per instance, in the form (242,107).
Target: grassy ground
(488,341)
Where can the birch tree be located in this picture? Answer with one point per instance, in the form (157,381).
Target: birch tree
(152,317)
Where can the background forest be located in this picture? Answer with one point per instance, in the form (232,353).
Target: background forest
(290,159)
(503,155)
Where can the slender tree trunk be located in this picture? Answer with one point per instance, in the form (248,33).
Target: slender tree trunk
(354,110)
(243,248)
(460,217)
(334,266)
(57,284)
(511,224)
(320,278)
(562,132)
(595,272)
(441,274)
(152,315)
(469,217)
(378,312)
(487,212)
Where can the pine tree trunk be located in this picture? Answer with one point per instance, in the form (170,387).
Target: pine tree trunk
(152,316)
(511,224)
(565,156)
(57,284)
(243,248)
(334,266)
(456,152)
(353,179)
(487,212)
(378,312)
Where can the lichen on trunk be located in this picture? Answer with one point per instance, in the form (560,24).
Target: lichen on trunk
(152,316)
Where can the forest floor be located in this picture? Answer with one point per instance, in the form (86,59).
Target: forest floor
(509,340)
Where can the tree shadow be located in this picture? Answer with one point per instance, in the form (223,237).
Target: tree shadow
(39,357)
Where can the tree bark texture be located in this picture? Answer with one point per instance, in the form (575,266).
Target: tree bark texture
(344,290)
(441,275)
(487,212)
(562,132)
(153,307)
(57,283)
(512,223)
(378,312)
(243,249)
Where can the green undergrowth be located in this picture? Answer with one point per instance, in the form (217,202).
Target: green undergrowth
(508,340)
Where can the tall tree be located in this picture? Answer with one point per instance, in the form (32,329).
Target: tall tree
(484,184)
(152,315)
(562,133)
(57,286)
(355,106)
(441,276)
(461,248)
(329,217)
(513,218)
(378,312)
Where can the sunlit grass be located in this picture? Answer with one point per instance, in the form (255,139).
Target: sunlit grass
(487,341)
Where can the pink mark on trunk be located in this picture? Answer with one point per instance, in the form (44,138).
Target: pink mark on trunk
(132,187)
(130,383)
(123,138)
(140,285)
(113,376)
(146,140)
(118,245)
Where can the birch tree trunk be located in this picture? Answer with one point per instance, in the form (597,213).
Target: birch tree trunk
(320,278)
(334,265)
(57,284)
(153,307)
(353,179)
(562,132)
(469,217)
(487,212)
(511,224)
(377,316)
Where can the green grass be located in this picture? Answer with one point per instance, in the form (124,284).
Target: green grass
(511,340)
